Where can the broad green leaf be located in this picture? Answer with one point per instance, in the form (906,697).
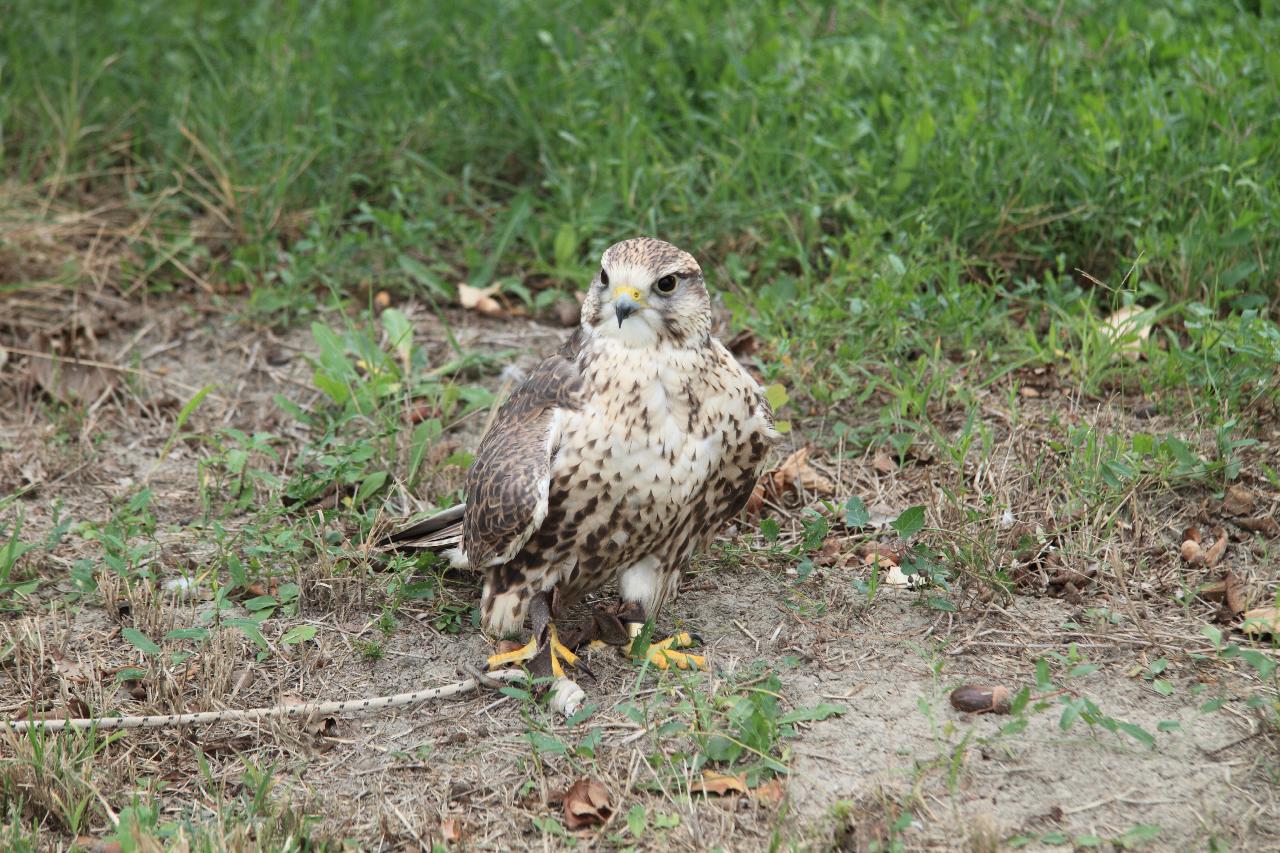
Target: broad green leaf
(370,485)
(298,634)
(130,673)
(332,352)
(637,821)
(910,522)
(335,390)
(399,332)
(548,744)
(292,409)
(1136,732)
(776,395)
(1138,835)
(250,629)
(140,641)
(855,512)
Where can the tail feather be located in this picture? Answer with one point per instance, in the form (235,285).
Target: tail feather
(437,532)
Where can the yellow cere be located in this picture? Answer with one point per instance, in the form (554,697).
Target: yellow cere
(630,292)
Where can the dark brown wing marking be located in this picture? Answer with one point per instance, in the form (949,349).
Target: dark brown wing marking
(508,483)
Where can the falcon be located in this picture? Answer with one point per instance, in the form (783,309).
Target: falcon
(617,459)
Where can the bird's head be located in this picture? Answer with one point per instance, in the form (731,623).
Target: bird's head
(648,293)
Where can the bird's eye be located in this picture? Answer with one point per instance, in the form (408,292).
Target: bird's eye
(604,278)
(666,284)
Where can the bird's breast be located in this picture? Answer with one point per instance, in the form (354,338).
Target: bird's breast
(652,432)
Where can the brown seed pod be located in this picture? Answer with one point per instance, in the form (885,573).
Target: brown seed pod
(982,699)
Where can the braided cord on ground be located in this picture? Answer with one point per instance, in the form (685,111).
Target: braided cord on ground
(304,709)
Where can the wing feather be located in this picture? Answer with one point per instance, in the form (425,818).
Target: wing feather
(508,483)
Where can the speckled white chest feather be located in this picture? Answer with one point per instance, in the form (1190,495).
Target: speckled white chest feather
(658,424)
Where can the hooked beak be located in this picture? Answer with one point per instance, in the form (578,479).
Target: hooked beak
(626,301)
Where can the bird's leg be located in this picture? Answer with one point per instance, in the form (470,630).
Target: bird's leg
(544,651)
(662,654)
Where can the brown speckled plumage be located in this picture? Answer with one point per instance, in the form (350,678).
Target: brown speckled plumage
(620,456)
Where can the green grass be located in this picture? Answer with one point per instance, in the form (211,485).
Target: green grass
(891,171)
(1003,137)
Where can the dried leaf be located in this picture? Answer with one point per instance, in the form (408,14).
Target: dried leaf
(227,746)
(451,829)
(896,577)
(1219,547)
(1213,591)
(480,300)
(719,784)
(884,558)
(1262,620)
(258,588)
(831,553)
(421,411)
(889,553)
(883,462)
(67,668)
(1234,593)
(796,474)
(586,803)
(755,503)
(982,699)
(1238,501)
(95,845)
(67,381)
(1264,524)
(770,793)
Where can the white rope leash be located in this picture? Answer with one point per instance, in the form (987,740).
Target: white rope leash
(305,709)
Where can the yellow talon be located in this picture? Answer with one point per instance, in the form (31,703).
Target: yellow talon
(663,654)
(559,652)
